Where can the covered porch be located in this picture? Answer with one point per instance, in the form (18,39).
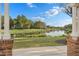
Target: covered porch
(6,42)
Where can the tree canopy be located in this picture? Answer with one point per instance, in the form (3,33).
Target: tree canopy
(22,22)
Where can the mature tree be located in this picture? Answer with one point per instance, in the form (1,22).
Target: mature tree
(39,25)
(28,24)
(68,28)
(22,22)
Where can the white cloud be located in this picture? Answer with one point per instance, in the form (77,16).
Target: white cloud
(53,12)
(38,18)
(30,5)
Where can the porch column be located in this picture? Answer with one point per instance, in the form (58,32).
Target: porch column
(6,43)
(6,23)
(74,22)
(73,39)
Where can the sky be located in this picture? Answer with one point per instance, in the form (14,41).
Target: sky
(50,13)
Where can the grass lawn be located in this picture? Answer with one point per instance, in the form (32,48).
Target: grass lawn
(15,31)
(34,38)
(37,42)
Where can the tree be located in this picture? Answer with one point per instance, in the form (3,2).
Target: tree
(39,25)
(68,28)
(2,22)
(28,24)
(11,23)
(68,9)
(18,24)
(14,23)
(22,22)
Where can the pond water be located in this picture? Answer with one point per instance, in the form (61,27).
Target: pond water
(55,33)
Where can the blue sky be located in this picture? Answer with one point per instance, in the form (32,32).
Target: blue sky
(51,14)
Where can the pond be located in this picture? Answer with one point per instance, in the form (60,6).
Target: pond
(55,33)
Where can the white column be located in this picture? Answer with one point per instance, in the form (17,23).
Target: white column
(0,22)
(6,22)
(78,19)
(74,22)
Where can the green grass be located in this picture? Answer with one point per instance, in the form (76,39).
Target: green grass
(15,31)
(37,42)
(24,38)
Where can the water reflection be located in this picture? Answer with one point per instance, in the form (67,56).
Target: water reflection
(55,33)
